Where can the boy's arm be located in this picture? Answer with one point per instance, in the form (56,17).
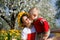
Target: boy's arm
(46,29)
(45,25)
(46,35)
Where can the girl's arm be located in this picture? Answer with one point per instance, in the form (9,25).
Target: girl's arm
(23,35)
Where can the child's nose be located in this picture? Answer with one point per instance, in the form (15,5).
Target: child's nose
(28,19)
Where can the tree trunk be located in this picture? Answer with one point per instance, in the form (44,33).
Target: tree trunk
(55,31)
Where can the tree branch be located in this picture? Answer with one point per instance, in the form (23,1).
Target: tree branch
(13,21)
(6,20)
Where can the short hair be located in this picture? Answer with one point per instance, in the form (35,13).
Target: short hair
(30,11)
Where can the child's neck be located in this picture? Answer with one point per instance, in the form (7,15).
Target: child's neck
(29,26)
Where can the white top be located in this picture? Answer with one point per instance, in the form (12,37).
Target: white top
(27,33)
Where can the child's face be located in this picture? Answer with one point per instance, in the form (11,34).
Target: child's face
(34,14)
(26,20)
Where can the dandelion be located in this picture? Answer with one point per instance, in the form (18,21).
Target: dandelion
(14,39)
(6,38)
(3,31)
(17,34)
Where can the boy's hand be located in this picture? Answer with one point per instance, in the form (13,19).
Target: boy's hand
(44,38)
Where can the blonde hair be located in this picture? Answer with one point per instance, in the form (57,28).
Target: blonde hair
(31,10)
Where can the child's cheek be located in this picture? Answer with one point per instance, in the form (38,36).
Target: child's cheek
(35,17)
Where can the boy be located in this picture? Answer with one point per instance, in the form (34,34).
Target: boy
(40,24)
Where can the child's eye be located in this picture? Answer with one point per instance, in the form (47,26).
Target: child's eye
(26,19)
(34,15)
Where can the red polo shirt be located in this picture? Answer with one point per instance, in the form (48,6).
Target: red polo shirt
(41,25)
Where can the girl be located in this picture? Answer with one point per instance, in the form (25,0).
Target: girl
(29,32)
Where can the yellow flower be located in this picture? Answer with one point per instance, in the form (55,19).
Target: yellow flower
(17,31)
(6,38)
(6,33)
(17,34)
(14,39)
(3,31)
(10,33)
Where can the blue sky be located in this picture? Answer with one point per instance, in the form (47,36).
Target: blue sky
(53,2)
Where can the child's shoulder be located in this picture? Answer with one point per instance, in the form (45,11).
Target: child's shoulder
(25,29)
(41,19)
